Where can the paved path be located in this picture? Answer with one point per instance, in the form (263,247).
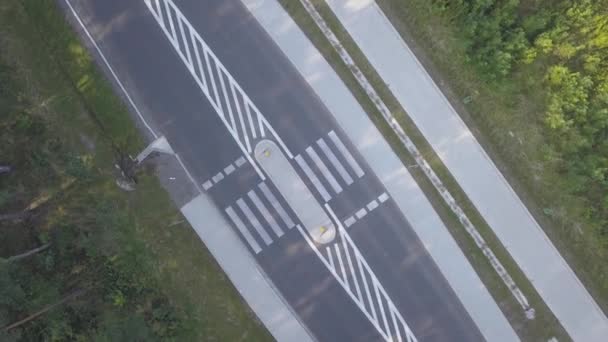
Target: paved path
(473,169)
(387,166)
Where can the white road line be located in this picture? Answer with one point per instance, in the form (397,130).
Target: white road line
(107,64)
(170,19)
(250,120)
(383,198)
(267,215)
(201,71)
(238,110)
(313,178)
(244,231)
(217,103)
(367,292)
(350,221)
(381,305)
(375,282)
(207,185)
(324,170)
(239,162)
(349,157)
(396,326)
(276,205)
(225,93)
(217,178)
(229,169)
(352,269)
(254,221)
(372,205)
(339,256)
(330,258)
(180,23)
(220,70)
(361,213)
(332,270)
(259,117)
(335,162)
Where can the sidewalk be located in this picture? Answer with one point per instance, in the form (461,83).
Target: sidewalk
(243,271)
(473,169)
(387,166)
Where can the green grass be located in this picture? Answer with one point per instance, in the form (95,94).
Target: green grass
(507,119)
(545,325)
(66,90)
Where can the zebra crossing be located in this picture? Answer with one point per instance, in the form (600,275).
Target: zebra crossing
(348,266)
(329,166)
(243,120)
(260,217)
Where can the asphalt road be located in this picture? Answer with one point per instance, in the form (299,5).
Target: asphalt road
(173,103)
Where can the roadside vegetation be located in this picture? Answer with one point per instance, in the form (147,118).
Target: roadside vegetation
(81,259)
(501,81)
(531,78)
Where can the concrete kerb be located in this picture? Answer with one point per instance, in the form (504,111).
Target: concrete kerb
(420,161)
(386,165)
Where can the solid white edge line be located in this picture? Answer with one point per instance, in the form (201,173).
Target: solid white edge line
(107,64)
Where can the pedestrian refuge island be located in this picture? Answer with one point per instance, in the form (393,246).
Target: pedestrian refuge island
(299,197)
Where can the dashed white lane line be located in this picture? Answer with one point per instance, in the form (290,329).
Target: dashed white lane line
(217,178)
(372,205)
(383,198)
(239,162)
(207,185)
(350,221)
(362,212)
(226,172)
(229,169)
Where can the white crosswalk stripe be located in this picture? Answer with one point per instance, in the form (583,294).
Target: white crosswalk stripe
(324,170)
(359,281)
(349,157)
(320,170)
(225,95)
(335,162)
(241,227)
(260,219)
(276,205)
(254,221)
(267,216)
(313,178)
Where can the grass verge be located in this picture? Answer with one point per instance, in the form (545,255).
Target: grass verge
(80,108)
(507,119)
(545,325)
